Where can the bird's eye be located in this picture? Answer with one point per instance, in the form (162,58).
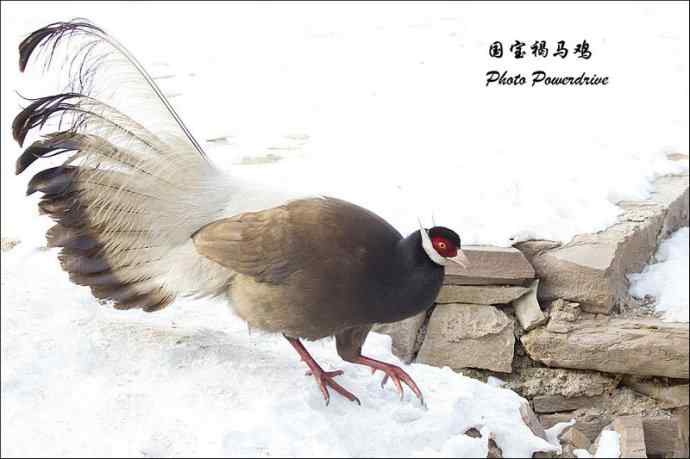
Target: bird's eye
(442,245)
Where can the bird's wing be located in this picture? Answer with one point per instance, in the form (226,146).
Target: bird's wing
(273,244)
(256,244)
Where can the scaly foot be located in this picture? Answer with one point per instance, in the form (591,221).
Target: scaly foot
(323,378)
(396,374)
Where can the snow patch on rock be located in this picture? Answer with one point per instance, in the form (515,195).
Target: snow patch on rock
(667,279)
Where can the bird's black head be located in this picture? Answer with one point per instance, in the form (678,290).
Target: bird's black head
(443,246)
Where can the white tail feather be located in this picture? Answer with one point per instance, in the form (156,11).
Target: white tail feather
(131,193)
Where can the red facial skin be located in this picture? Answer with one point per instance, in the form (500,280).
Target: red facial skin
(444,247)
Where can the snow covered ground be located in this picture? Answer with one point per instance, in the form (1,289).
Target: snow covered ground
(81,379)
(667,279)
(384,105)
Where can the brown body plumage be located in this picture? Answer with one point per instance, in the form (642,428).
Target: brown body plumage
(313,267)
(143,217)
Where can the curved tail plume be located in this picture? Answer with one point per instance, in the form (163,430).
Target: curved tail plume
(133,188)
(51,35)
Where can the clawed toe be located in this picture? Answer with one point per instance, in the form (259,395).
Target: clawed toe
(325,379)
(330,374)
(396,374)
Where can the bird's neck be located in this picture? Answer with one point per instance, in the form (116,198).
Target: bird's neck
(411,255)
(416,280)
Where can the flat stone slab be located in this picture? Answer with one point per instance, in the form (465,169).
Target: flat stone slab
(531,420)
(668,194)
(527,308)
(592,268)
(682,416)
(480,294)
(590,426)
(491,265)
(664,436)
(631,431)
(404,335)
(558,403)
(543,381)
(575,438)
(469,336)
(670,396)
(645,347)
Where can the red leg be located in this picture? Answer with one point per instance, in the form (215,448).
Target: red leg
(323,378)
(396,374)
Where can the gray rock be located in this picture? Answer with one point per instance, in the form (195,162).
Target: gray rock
(557,403)
(473,433)
(404,335)
(646,347)
(632,436)
(480,294)
(494,451)
(491,265)
(537,381)
(666,195)
(572,439)
(669,396)
(545,455)
(532,248)
(568,452)
(529,418)
(562,313)
(663,436)
(589,424)
(683,446)
(592,268)
(527,309)
(468,335)
(575,438)
(621,402)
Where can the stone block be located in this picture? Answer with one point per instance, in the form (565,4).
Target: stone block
(592,268)
(527,309)
(558,403)
(491,265)
(469,336)
(480,294)
(404,335)
(645,347)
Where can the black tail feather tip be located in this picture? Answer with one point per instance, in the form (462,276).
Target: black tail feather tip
(39,111)
(55,31)
(50,145)
(53,181)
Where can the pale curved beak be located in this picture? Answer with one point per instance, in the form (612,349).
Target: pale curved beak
(460,259)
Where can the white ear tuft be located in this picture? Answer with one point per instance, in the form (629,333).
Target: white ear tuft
(429,247)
